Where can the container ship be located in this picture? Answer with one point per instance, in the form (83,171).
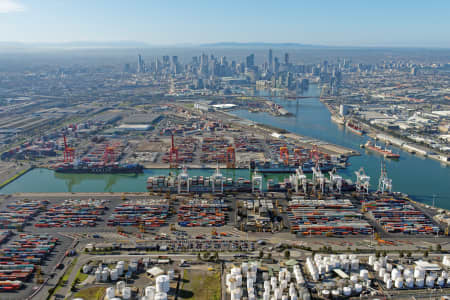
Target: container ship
(84,167)
(272,167)
(183,183)
(385,152)
(355,128)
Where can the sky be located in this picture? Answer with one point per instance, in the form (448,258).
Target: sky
(398,23)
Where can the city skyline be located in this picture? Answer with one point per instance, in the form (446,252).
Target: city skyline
(381,24)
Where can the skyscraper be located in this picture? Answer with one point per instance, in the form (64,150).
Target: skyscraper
(286,58)
(270,60)
(250,60)
(140,64)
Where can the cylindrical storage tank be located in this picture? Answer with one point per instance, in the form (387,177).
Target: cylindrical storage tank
(119,269)
(358,288)
(171,274)
(444,274)
(98,275)
(355,264)
(162,284)
(160,296)
(386,277)
(86,269)
(399,283)
(354,278)
(238,280)
(364,274)
(347,291)
(440,281)
(395,274)
(335,294)
(150,292)
(284,297)
(388,267)
(244,267)
(114,275)
(126,293)
(265,276)
(381,272)
(429,281)
(407,273)
(110,293)
(120,285)
(376,266)
(105,275)
(326,294)
(409,282)
(419,273)
(389,284)
(236,294)
(266,296)
(371,260)
(420,282)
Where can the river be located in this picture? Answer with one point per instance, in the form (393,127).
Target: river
(423,179)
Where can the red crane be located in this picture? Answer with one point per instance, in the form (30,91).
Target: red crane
(231,158)
(109,155)
(69,153)
(173,152)
(284,155)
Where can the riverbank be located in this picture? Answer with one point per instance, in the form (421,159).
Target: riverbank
(16,175)
(400,142)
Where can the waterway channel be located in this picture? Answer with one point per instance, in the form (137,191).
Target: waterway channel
(423,179)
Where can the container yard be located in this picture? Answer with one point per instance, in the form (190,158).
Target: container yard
(18,213)
(329,217)
(20,258)
(398,215)
(73,213)
(145,213)
(202,212)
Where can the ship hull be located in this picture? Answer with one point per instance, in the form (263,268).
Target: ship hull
(355,131)
(100,170)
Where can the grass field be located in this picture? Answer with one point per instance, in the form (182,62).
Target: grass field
(200,285)
(92,293)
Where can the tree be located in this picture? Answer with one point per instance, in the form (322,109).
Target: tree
(425,254)
(401,254)
(269,255)
(198,256)
(438,247)
(377,254)
(409,254)
(261,254)
(206,255)
(287,254)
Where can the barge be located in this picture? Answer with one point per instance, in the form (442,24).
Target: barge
(89,168)
(387,153)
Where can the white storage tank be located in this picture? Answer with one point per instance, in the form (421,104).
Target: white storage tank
(358,288)
(98,275)
(86,269)
(171,274)
(347,291)
(119,268)
(326,294)
(120,285)
(126,293)
(150,292)
(160,296)
(335,294)
(364,274)
(409,282)
(162,284)
(429,281)
(399,282)
(420,282)
(110,293)
(354,278)
(105,275)
(386,277)
(389,284)
(419,273)
(114,275)
(371,260)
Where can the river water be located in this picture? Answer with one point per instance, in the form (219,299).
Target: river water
(422,178)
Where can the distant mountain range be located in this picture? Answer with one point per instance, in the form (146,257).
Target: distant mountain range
(260,45)
(136,44)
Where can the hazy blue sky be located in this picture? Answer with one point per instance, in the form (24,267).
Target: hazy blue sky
(424,23)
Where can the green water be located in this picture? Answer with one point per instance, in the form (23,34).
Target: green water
(48,181)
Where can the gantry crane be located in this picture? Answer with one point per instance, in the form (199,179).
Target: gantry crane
(69,153)
(284,155)
(362,181)
(173,155)
(384,183)
(231,158)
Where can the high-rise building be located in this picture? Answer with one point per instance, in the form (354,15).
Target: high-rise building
(270,61)
(250,60)
(286,58)
(140,64)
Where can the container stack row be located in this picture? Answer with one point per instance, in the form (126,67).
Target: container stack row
(147,213)
(73,213)
(202,213)
(19,212)
(326,217)
(19,259)
(400,216)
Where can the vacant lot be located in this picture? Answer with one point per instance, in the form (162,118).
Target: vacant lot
(200,285)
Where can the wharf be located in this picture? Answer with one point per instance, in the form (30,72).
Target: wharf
(307,142)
